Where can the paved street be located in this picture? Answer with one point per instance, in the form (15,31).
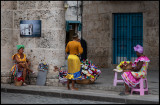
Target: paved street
(17,98)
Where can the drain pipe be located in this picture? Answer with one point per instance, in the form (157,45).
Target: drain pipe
(81,18)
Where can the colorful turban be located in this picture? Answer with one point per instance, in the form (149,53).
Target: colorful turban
(19,46)
(138,48)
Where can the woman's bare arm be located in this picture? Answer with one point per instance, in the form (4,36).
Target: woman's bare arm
(138,67)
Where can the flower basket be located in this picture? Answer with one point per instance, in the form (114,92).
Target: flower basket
(124,65)
(127,67)
(18,83)
(89,73)
(62,74)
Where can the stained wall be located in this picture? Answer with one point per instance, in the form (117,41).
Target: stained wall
(49,48)
(98,29)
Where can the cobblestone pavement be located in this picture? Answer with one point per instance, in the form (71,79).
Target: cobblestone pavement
(12,98)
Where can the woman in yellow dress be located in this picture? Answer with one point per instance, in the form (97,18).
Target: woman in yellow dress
(74,65)
(21,64)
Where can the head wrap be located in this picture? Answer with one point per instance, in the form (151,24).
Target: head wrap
(138,48)
(19,46)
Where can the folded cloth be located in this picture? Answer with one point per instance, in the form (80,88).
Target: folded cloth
(117,70)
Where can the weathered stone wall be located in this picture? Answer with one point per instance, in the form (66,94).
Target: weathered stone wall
(73,12)
(49,48)
(7,9)
(98,31)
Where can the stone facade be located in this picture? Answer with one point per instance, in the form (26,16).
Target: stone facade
(98,31)
(49,48)
(74,12)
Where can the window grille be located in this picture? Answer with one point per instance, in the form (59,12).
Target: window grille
(127,33)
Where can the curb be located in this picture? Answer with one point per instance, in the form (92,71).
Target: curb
(73,95)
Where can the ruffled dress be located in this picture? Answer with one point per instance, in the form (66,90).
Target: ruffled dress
(133,78)
(14,70)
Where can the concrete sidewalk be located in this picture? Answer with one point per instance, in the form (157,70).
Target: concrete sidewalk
(84,94)
(105,82)
(101,90)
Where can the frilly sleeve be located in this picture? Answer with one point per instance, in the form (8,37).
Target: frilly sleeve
(142,58)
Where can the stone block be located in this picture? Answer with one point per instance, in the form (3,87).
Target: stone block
(52,75)
(154,63)
(23,5)
(6,59)
(5,73)
(151,13)
(152,32)
(152,51)
(92,25)
(93,34)
(43,5)
(57,20)
(5,80)
(106,40)
(28,42)
(6,38)
(15,38)
(19,15)
(38,15)
(151,5)
(92,9)
(151,41)
(85,9)
(52,82)
(57,4)
(35,74)
(6,19)
(152,22)
(104,8)
(9,5)
(48,39)
(33,81)
(36,56)
(93,42)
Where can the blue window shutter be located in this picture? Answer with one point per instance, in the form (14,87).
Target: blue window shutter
(137,31)
(128,32)
(80,27)
(67,26)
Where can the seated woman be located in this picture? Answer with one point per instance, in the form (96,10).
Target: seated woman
(132,77)
(21,64)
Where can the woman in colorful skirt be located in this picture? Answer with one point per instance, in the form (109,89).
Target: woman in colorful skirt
(75,49)
(21,64)
(132,77)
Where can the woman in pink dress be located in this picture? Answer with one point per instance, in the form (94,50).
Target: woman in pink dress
(132,77)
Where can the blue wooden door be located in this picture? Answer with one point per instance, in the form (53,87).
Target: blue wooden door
(128,32)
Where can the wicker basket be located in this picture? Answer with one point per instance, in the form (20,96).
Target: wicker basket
(84,81)
(128,67)
(18,83)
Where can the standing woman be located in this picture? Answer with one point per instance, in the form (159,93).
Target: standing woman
(132,77)
(75,49)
